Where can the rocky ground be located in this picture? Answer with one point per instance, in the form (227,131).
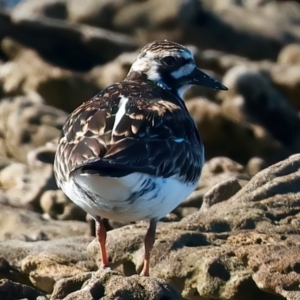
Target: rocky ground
(237,236)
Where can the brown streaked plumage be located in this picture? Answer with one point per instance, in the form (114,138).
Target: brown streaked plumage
(149,117)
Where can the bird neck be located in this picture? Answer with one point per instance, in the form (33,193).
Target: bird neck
(136,76)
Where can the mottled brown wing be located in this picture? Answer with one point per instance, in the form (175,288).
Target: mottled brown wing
(153,136)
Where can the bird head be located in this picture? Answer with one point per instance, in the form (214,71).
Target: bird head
(171,66)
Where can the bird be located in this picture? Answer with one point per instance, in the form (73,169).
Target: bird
(133,151)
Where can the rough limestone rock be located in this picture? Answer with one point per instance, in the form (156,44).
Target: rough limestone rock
(265,25)
(60,38)
(10,290)
(26,124)
(42,263)
(216,170)
(287,79)
(236,237)
(23,185)
(289,55)
(110,285)
(245,247)
(59,87)
(211,120)
(56,205)
(242,247)
(253,101)
(246,25)
(113,71)
(25,225)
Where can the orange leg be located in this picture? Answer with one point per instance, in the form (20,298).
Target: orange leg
(149,241)
(101,237)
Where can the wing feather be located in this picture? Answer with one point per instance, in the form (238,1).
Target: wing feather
(153,136)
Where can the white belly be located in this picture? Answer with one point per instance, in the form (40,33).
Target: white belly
(134,197)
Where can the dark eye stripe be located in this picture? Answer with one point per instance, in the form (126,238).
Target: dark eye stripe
(169,60)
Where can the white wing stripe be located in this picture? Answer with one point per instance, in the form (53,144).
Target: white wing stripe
(120,113)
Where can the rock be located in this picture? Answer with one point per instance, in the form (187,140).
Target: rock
(99,14)
(66,286)
(95,13)
(184,211)
(220,192)
(250,100)
(200,265)
(258,201)
(289,55)
(56,86)
(22,224)
(42,155)
(221,168)
(23,185)
(235,237)
(10,290)
(193,200)
(244,247)
(227,251)
(27,124)
(60,38)
(242,27)
(211,120)
(56,205)
(272,273)
(106,284)
(216,170)
(287,12)
(222,164)
(218,61)
(45,262)
(184,21)
(255,165)
(156,15)
(287,79)
(114,71)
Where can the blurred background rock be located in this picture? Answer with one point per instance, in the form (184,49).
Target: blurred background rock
(59,53)
(55,54)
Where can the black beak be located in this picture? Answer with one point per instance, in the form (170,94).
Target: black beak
(200,78)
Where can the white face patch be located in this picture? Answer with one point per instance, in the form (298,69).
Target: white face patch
(120,113)
(183,71)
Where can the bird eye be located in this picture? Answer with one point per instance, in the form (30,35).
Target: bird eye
(169,61)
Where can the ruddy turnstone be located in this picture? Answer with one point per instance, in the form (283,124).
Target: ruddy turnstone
(133,151)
